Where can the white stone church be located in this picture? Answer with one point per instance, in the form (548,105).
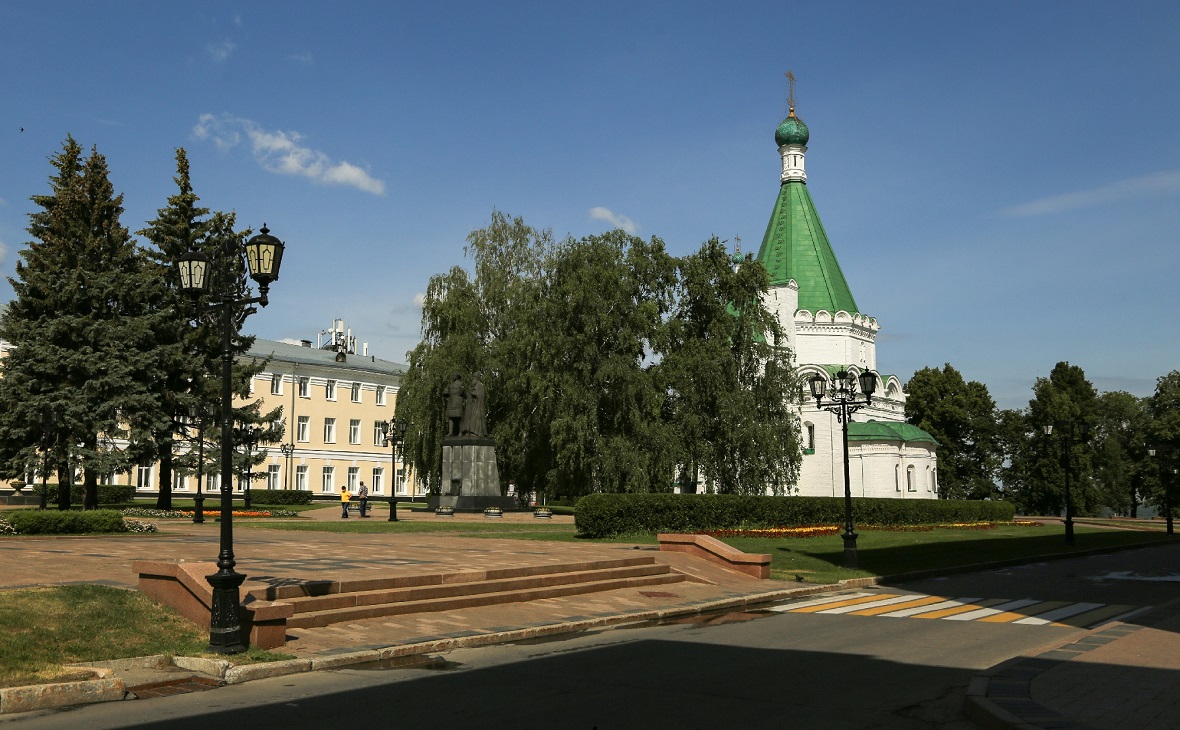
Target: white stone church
(829,333)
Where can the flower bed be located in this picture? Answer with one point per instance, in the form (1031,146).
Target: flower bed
(821,530)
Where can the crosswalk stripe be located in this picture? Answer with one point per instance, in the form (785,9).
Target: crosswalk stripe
(1093,617)
(886,600)
(1031,610)
(787,607)
(907,612)
(909,602)
(961,609)
(1047,618)
(994,610)
(837,604)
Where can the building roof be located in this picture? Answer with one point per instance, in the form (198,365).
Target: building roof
(796,246)
(888,431)
(286,352)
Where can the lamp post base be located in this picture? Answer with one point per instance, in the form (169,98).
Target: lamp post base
(225,625)
(1069,531)
(199,510)
(850,560)
(393,509)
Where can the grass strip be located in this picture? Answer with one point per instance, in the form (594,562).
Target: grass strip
(47,628)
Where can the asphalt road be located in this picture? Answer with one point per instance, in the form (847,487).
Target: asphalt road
(756,669)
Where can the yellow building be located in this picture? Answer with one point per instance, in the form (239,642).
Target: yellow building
(335,403)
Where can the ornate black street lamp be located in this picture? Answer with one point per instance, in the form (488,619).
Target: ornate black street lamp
(198,412)
(1069,437)
(395,438)
(264,254)
(287,450)
(249,437)
(843,402)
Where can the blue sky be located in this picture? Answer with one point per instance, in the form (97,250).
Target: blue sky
(1000,180)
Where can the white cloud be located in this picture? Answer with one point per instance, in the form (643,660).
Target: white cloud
(1157,183)
(221,51)
(304,58)
(618,221)
(283,152)
(3,251)
(419,300)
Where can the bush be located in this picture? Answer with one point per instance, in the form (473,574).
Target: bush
(280,496)
(107,493)
(606,515)
(53,522)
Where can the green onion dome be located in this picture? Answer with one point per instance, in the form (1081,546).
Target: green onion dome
(791,131)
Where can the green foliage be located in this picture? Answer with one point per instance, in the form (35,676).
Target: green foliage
(589,350)
(53,522)
(1122,471)
(1035,477)
(280,496)
(82,327)
(106,493)
(606,515)
(1164,437)
(962,417)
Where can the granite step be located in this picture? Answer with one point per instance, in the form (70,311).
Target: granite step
(326,617)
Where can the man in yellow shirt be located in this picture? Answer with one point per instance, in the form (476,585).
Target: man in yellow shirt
(345,496)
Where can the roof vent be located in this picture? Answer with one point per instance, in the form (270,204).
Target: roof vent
(305,343)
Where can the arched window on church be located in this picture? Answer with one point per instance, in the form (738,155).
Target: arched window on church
(897,477)
(809,429)
(934,481)
(929,480)
(909,479)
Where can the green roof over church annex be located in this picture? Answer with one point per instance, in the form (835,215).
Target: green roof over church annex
(796,247)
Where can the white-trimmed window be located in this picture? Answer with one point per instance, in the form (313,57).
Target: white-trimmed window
(356,392)
(273,474)
(214,483)
(329,430)
(276,384)
(380,395)
(330,390)
(378,479)
(929,480)
(301,477)
(354,476)
(303,432)
(401,481)
(909,479)
(354,431)
(328,479)
(897,477)
(378,433)
(143,477)
(179,481)
(305,387)
(934,481)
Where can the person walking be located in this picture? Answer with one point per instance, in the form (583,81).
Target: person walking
(363,494)
(345,496)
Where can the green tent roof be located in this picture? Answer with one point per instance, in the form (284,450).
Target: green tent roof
(888,431)
(796,247)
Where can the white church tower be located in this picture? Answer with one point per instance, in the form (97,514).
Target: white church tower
(828,333)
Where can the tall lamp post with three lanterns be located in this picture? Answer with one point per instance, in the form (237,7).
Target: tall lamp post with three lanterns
(843,402)
(264,254)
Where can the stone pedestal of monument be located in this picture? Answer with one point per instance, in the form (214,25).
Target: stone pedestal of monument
(470,476)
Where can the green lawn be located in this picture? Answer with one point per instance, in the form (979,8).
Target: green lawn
(46,628)
(883,553)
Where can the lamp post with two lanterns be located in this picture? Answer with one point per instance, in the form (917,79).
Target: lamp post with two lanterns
(264,254)
(843,402)
(395,438)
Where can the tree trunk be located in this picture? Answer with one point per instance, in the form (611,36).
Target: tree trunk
(65,480)
(90,480)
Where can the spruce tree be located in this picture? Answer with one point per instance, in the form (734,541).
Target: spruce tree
(82,330)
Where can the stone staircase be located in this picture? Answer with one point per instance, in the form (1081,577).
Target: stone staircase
(322,603)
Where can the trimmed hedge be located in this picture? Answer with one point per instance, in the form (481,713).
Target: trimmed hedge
(107,493)
(607,515)
(53,522)
(280,496)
